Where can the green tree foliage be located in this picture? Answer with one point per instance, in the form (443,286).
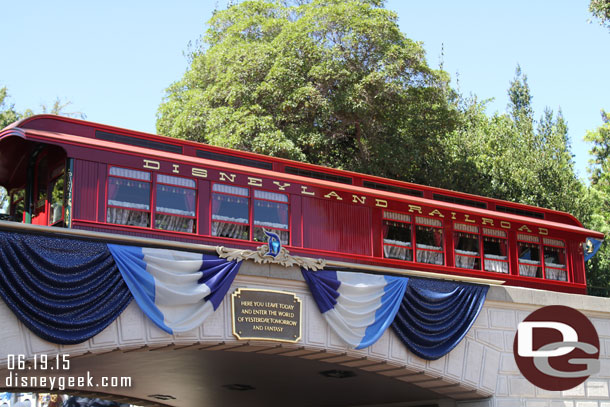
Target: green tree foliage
(8,114)
(332,82)
(514,157)
(598,268)
(601,10)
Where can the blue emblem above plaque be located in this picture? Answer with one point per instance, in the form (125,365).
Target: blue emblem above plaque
(275,245)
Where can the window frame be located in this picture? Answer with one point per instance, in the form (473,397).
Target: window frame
(409,247)
(566,267)
(154,192)
(479,238)
(530,239)
(506,240)
(55,175)
(443,238)
(108,205)
(251,197)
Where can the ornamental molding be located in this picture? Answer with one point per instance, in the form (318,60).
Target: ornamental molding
(261,255)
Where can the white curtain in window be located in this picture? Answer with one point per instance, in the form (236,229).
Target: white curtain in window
(494,232)
(553,242)
(231,230)
(465,261)
(128,204)
(126,217)
(465,228)
(272,196)
(493,263)
(424,256)
(528,268)
(127,173)
(229,219)
(556,274)
(420,220)
(396,216)
(174,223)
(177,181)
(395,252)
(230,189)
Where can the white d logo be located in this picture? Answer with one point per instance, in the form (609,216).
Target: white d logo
(526,338)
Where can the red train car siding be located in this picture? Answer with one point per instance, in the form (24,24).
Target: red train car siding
(296,221)
(86,189)
(338,227)
(203,195)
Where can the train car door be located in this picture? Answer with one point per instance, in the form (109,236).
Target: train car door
(48,201)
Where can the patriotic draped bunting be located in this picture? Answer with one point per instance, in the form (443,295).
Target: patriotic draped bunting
(430,317)
(434,315)
(358,306)
(68,290)
(63,290)
(176,290)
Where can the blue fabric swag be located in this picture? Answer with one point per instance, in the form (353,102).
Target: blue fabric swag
(431,317)
(64,290)
(435,315)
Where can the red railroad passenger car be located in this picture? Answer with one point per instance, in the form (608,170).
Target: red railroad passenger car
(76,174)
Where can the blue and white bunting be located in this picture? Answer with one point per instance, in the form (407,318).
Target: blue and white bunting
(358,307)
(176,290)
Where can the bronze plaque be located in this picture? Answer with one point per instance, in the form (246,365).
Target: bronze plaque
(266,315)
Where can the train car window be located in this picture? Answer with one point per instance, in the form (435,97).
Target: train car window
(495,251)
(230,212)
(41,185)
(270,211)
(467,246)
(175,199)
(17,206)
(128,197)
(397,236)
(555,265)
(529,255)
(429,240)
(4,204)
(56,198)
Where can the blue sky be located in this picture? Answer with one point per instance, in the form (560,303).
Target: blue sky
(114,59)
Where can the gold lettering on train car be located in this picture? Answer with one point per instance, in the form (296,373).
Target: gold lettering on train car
(415,208)
(436,212)
(382,203)
(333,193)
(524,228)
(504,224)
(152,165)
(255,182)
(304,190)
(227,177)
(543,231)
(467,219)
(176,169)
(361,199)
(199,173)
(487,221)
(283,186)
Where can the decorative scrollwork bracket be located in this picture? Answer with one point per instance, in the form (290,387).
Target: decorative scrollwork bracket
(261,256)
